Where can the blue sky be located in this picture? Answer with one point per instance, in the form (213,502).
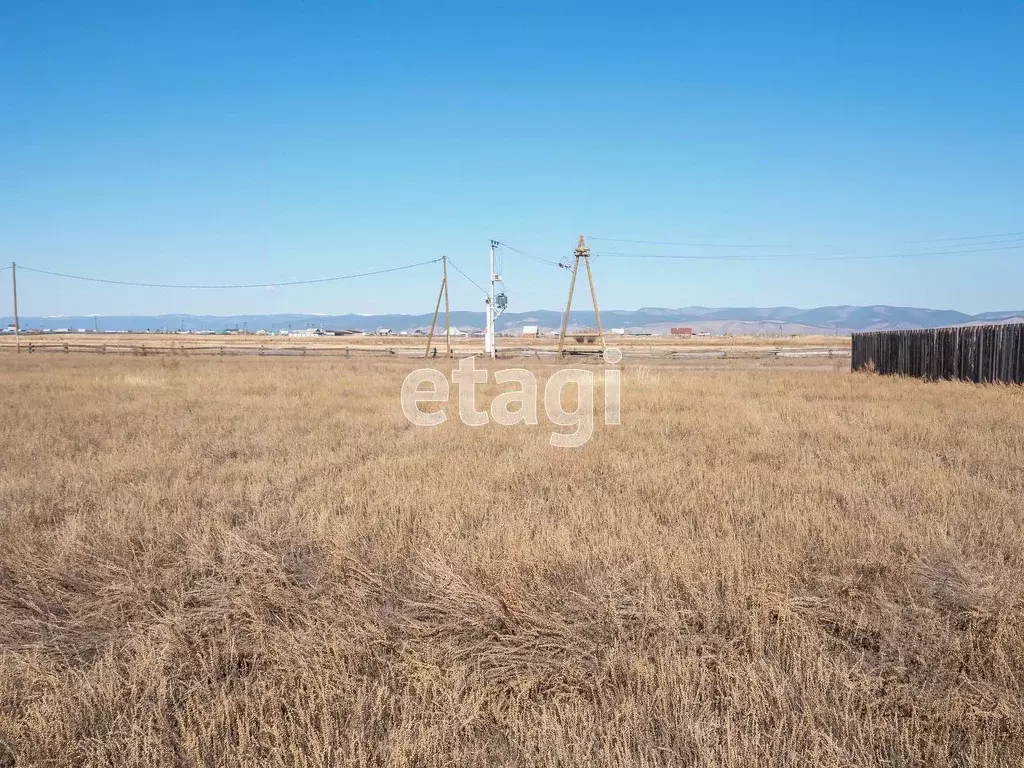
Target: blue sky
(259,142)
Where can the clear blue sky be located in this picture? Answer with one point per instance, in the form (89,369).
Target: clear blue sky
(225,142)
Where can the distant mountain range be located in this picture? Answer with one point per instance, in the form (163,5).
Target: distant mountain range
(770,320)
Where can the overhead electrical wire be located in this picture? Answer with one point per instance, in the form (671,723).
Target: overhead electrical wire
(987,243)
(959,252)
(967,237)
(1013,241)
(530,256)
(474,282)
(685,245)
(231,286)
(806,256)
(756,245)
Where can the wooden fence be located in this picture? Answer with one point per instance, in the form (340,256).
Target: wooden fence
(980,353)
(41,345)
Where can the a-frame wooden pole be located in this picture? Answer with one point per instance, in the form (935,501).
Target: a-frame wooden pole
(568,304)
(593,295)
(447,309)
(433,323)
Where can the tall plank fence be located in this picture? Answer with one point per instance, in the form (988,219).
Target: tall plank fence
(979,353)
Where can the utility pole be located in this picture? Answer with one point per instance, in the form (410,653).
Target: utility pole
(582,252)
(496,304)
(447,322)
(568,304)
(14,287)
(447,309)
(489,335)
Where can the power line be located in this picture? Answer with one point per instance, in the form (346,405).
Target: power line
(807,256)
(968,237)
(923,253)
(755,245)
(474,282)
(687,256)
(529,256)
(241,285)
(687,245)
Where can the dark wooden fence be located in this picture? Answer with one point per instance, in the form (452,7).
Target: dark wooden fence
(980,353)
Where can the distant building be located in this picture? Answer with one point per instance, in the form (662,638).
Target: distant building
(531,330)
(683,331)
(618,331)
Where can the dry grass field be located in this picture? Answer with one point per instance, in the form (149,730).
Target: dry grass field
(259,562)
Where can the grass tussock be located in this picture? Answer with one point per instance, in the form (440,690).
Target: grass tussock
(260,562)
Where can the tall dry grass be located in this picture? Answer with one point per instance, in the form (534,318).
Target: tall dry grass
(259,562)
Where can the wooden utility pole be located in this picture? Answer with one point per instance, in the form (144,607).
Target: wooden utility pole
(14,288)
(568,305)
(447,309)
(593,293)
(581,252)
(437,308)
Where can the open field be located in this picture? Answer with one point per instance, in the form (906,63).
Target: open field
(258,561)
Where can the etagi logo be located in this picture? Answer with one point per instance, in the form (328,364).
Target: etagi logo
(518,406)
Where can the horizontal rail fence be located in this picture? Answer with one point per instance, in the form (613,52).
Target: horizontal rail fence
(980,353)
(324,350)
(144,350)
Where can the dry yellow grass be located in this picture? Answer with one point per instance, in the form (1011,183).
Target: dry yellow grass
(257,562)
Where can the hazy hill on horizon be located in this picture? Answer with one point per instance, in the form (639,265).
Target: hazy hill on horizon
(738,320)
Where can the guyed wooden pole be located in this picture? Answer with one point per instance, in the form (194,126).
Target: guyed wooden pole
(437,308)
(568,304)
(582,252)
(593,295)
(447,309)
